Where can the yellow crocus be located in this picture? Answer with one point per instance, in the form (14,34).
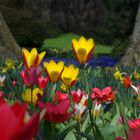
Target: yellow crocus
(54,70)
(64,87)
(83,49)
(69,75)
(138,98)
(27,97)
(4,69)
(32,58)
(9,63)
(136,75)
(117,74)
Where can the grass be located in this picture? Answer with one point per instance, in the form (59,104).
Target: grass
(64,41)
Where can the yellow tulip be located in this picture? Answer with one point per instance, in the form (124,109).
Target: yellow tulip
(27,97)
(54,70)
(83,49)
(69,75)
(32,58)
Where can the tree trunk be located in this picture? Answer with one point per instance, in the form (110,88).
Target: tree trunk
(132,55)
(8,46)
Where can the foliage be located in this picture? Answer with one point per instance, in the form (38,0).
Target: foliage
(119,47)
(31,33)
(112,23)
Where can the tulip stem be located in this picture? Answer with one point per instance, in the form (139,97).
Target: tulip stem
(87,85)
(78,129)
(31,96)
(92,124)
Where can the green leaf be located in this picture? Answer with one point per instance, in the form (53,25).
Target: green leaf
(111,132)
(61,135)
(89,137)
(70,136)
(47,130)
(53,90)
(85,123)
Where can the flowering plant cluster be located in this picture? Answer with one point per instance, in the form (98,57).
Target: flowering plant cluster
(54,101)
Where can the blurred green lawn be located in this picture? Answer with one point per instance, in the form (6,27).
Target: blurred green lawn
(64,41)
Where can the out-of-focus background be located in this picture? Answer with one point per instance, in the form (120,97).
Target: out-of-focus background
(51,24)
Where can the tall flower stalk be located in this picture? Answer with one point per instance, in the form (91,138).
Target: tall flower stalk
(83,50)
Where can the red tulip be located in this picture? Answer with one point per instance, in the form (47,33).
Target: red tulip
(14,83)
(42,81)
(13,123)
(134,134)
(2,101)
(103,95)
(127,82)
(59,97)
(77,95)
(57,113)
(134,124)
(30,76)
(119,138)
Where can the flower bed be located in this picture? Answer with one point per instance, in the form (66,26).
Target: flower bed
(58,101)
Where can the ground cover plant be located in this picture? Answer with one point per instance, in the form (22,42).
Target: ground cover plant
(55,102)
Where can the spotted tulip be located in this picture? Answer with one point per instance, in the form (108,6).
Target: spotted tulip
(83,49)
(2,79)
(54,70)
(103,95)
(57,113)
(32,58)
(32,96)
(96,109)
(77,95)
(80,107)
(79,110)
(69,75)
(13,124)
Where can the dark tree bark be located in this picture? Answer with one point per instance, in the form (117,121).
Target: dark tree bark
(8,46)
(132,55)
